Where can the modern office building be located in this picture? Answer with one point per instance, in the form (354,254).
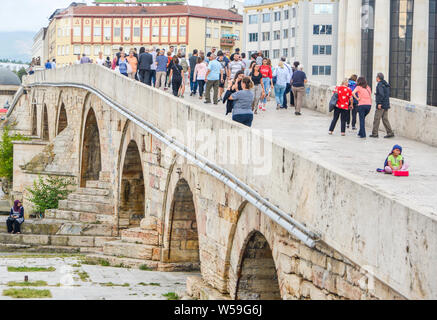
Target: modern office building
(397,38)
(81,29)
(301,30)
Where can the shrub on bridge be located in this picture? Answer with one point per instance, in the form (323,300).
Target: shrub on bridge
(46,193)
(7,152)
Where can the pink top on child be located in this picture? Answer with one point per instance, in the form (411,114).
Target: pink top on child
(365,96)
(200,71)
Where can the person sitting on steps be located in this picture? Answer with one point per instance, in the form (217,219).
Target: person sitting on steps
(16,218)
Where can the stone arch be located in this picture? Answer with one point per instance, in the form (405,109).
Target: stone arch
(91,163)
(132,189)
(252,272)
(258,278)
(45,124)
(62,122)
(183,238)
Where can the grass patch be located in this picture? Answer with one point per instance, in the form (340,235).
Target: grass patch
(27,293)
(154,284)
(31,269)
(121,265)
(83,275)
(100,262)
(39,283)
(110,284)
(145,268)
(171,296)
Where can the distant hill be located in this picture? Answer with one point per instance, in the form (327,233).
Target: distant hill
(16,45)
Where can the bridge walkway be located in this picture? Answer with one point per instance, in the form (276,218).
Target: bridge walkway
(351,155)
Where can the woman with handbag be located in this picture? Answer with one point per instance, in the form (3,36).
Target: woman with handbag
(176,76)
(16,218)
(363,94)
(342,108)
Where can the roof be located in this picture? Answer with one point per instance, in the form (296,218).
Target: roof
(184,10)
(8,78)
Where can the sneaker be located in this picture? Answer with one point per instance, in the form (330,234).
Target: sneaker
(200,98)
(264,108)
(298,113)
(191,94)
(260,106)
(373,136)
(389,136)
(354,128)
(207,102)
(278,107)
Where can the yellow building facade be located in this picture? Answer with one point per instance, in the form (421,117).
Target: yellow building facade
(90,30)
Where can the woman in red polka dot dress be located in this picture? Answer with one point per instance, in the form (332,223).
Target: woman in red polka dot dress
(345,101)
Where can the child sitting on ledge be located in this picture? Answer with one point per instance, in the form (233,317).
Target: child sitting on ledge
(395,161)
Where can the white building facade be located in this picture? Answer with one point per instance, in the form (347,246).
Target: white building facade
(221,4)
(397,38)
(304,31)
(38,47)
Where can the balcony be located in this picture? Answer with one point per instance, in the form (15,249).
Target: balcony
(227,42)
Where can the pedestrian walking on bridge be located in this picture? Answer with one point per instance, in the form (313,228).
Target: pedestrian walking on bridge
(342,108)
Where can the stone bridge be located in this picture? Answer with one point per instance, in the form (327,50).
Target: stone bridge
(168,184)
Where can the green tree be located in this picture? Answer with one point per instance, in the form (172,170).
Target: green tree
(47,193)
(22,72)
(7,152)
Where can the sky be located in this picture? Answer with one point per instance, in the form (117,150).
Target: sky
(32,15)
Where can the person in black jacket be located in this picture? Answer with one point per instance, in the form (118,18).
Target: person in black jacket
(382,106)
(16,218)
(145,62)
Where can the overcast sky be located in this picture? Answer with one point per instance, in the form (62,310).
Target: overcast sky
(31,15)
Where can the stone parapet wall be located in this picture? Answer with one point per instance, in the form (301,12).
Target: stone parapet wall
(417,122)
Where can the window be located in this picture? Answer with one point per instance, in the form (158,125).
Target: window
(266,53)
(87,31)
(97,32)
(277,35)
(137,32)
(285,52)
(276,54)
(321,70)
(322,29)
(67,50)
(266,17)
(126,33)
(285,34)
(87,50)
(277,16)
(286,14)
(216,33)
(59,32)
(107,33)
(237,35)
(76,50)
(146,32)
(97,50)
(208,33)
(117,32)
(76,32)
(401,23)
(323,50)
(107,50)
(293,32)
(173,31)
(164,31)
(323,8)
(253,19)
(253,37)
(183,31)
(294,12)
(155,31)
(432,54)
(266,36)
(59,50)
(292,52)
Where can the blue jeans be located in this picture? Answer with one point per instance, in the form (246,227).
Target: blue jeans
(193,84)
(279,94)
(363,111)
(287,91)
(245,119)
(267,84)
